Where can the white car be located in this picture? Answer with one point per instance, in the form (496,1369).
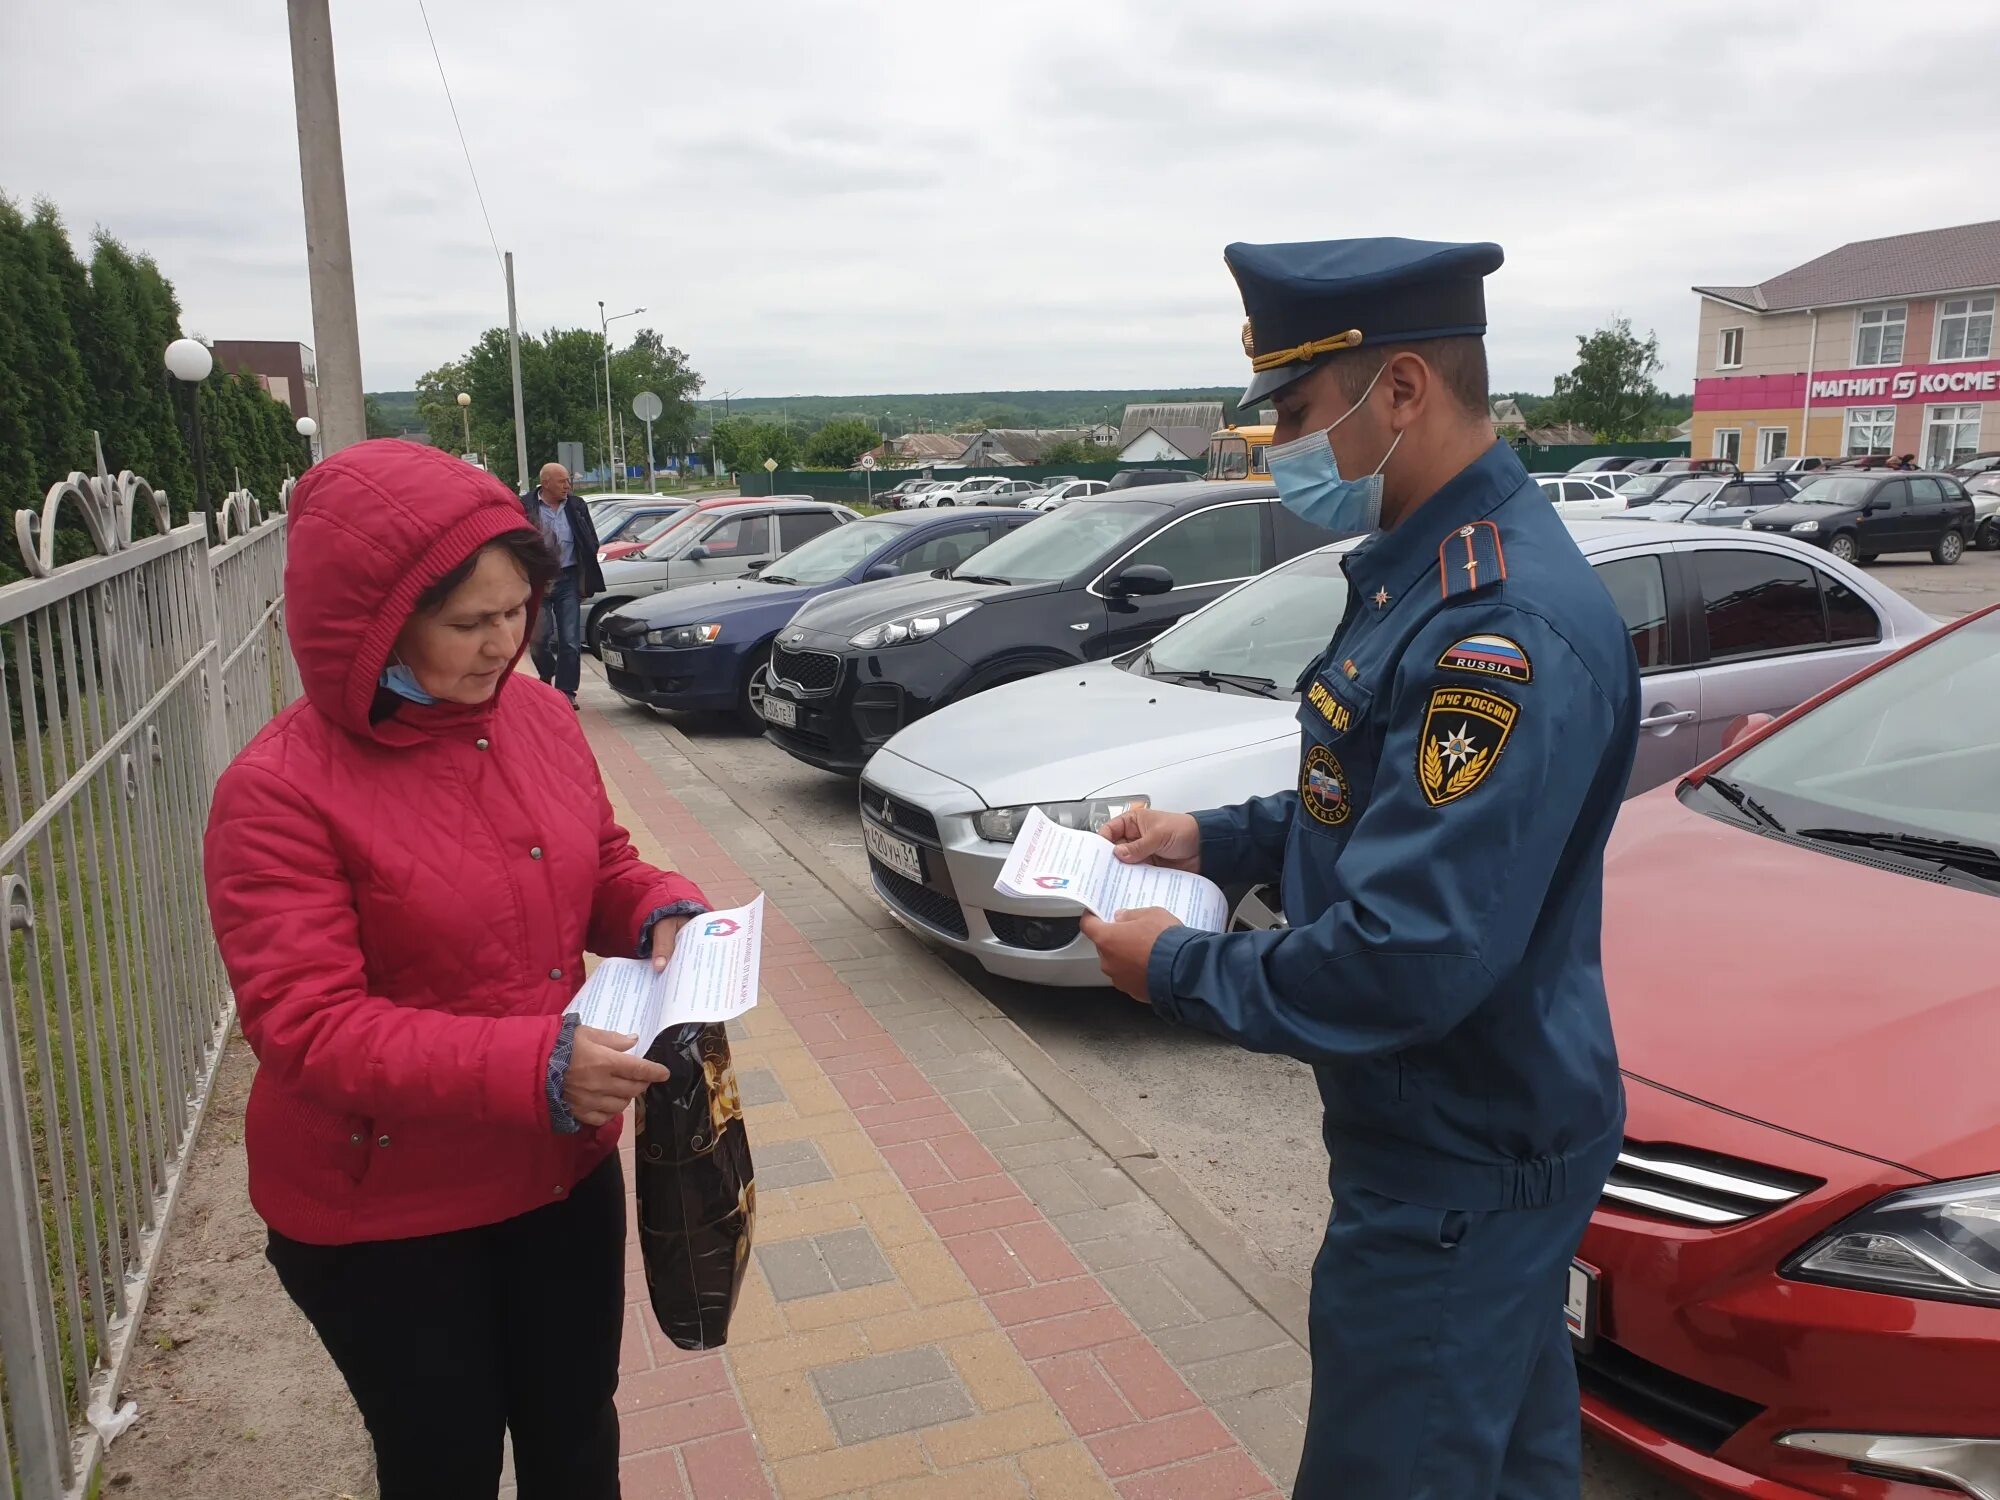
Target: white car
(983,489)
(1062,494)
(1722,623)
(1578,497)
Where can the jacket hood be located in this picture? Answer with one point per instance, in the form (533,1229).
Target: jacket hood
(370,529)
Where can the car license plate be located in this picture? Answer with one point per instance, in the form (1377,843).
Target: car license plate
(780,712)
(899,855)
(1580,1305)
(615,660)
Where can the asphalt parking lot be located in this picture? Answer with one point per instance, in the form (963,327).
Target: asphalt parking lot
(1243,1130)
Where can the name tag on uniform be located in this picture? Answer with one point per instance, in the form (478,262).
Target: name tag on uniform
(1337,707)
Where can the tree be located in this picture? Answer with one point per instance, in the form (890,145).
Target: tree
(379,424)
(1611,390)
(649,363)
(1079,451)
(838,444)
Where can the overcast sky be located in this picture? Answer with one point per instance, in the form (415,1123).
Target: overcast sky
(817,199)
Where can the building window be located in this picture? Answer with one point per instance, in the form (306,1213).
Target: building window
(1965,328)
(1729,443)
(1878,335)
(1773,443)
(1729,351)
(1870,429)
(1950,434)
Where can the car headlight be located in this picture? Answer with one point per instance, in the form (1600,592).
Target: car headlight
(911,628)
(1746,524)
(681,637)
(1804,528)
(1001,825)
(1939,1241)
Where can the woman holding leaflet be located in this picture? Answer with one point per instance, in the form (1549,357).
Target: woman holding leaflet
(404,870)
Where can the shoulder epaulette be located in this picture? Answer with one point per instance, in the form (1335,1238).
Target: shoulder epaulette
(1470,559)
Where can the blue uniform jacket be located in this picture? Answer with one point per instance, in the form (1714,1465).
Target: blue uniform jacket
(1467,739)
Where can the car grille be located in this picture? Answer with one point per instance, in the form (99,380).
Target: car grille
(808,671)
(1039,934)
(894,813)
(616,628)
(1688,1412)
(1699,1187)
(932,908)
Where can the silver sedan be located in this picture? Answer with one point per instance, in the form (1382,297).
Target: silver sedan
(1724,624)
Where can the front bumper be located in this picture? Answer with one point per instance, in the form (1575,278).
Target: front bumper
(1036,941)
(849,703)
(1707,1356)
(702,678)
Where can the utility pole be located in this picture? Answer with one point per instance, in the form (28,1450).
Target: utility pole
(329,257)
(514,358)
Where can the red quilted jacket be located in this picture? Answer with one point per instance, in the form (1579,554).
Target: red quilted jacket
(403,906)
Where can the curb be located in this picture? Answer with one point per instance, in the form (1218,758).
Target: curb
(1279,1297)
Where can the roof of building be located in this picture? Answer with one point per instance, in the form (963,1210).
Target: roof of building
(1028,444)
(1506,412)
(928,445)
(1165,415)
(1924,264)
(1189,442)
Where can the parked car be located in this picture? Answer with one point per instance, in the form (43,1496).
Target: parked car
(1791,1287)
(1858,517)
(705,646)
(899,494)
(1723,623)
(1795,468)
(1984,488)
(1062,494)
(1126,479)
(1978,463)
(1639,489)
(710,543)
(629,521)
(1671,502)
(1580,499)
(640,538)
(1643,466)
(1053,481)
(1603,465)
(1089,581)
(1718,501)
(1010,492)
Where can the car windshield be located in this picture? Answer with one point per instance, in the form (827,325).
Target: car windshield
(832,555)
(1914,749)
(1637,486)
(666,537)
(1837,489)
(1063,543)
(1267,629)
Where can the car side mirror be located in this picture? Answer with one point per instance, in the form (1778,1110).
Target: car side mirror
(762,562)
(879,571)
(1743,726)
(696,554)
(1874,505)
(1140,579)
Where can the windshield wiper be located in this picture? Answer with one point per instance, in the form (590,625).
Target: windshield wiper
(776,578)
(1736,797)
(1975,859)
(1263,687)
(979,578)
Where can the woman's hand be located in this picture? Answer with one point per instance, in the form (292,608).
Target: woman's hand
(665,933)
(605,1075)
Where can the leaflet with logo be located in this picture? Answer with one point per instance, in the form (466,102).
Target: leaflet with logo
(711,977)
(1050,860)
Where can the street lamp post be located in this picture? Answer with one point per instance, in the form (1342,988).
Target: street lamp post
(465,416)
(604,325)
(189,362)
(309,429)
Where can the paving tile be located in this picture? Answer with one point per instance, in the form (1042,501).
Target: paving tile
(1148,1297)
(853,1258)
(1276,1368)
(759,1086)
(882,1373)
(1229,1475)
(1214,1337)
(794,1269)
(790,1164)
(891,1393)
(1269,1428)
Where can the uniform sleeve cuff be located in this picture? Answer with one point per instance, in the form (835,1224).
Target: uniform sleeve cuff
(660,914)
(560,1119)
(1220,844)
(1160,970)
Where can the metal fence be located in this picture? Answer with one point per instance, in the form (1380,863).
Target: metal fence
(127,680)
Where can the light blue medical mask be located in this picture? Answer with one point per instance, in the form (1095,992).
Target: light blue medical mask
(1309,482)
(401,681)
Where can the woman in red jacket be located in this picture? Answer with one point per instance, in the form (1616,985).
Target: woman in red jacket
(404,870)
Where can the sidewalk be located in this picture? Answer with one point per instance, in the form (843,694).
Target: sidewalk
(955,1291)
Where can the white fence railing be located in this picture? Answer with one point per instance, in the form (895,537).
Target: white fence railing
(127,680)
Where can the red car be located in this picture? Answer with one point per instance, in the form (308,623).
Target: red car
(1792,1286)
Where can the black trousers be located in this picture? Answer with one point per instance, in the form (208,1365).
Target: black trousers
(450,1341)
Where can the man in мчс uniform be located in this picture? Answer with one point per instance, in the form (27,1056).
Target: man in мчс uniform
(1466,741)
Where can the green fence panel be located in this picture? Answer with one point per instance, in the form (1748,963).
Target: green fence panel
(848,486)
(1564,456)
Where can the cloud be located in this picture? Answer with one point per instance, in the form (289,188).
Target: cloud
(819,198)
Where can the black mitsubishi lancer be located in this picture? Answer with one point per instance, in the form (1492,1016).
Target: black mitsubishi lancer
(1091,580)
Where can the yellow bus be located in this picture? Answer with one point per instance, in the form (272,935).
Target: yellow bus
(1238,452)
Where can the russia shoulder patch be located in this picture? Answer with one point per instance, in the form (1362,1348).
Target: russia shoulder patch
(1490,656)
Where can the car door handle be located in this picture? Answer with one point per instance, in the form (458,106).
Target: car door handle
(1661,721)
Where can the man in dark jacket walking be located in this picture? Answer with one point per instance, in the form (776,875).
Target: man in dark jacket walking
(565,524)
